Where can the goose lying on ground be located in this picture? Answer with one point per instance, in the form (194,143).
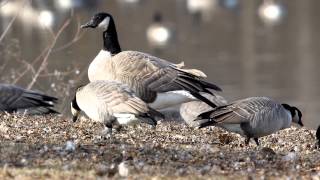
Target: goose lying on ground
(17,99)
(156,81)
(191,110)
(253,117)
(112,103)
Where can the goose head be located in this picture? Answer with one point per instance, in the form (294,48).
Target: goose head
(75,110)
(295,114)
(99,20)
(105,22)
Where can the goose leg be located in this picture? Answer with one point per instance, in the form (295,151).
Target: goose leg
(117,126)
(257,141)
(107,132)
(247,141)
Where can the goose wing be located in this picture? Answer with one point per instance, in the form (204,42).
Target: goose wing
(152,74)
(251,110)
(13,98)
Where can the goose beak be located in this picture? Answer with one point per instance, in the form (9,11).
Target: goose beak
(300,123)
(89,24)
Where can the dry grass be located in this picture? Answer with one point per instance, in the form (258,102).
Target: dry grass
(35,148)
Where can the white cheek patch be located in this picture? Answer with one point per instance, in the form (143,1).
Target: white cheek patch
(105,23)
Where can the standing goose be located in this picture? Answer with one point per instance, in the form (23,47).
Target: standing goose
(16,99)
(111,103)
(156,81)
(253,117)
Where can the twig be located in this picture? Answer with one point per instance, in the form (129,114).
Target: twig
(76,37)
(8,27)
(31,65)
(10,23)
(60,73)
(3,3)
(45,59)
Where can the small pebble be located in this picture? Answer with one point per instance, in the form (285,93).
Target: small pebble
(123,169)
(70,146)
(291,156)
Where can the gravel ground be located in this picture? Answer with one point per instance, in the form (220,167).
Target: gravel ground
(54,147)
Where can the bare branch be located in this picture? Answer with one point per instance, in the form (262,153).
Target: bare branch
(45,59)
(3,3)
(76,38)
(31,65)
(11,22)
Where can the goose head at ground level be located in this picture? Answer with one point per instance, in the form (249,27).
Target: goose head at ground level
(295,114)
(75,109)
(105,22)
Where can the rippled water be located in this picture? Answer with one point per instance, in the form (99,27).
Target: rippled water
(233,47)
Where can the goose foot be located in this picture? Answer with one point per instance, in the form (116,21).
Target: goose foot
(247,141)
(107,132)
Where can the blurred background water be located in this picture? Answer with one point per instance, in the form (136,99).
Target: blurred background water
(247,47)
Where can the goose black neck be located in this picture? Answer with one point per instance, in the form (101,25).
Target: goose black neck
(75,104)
(110,39)
(289,108)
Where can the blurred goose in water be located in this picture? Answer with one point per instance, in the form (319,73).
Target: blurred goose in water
(253,117)
(112,103)
(156,81)
(191,110)
(16,99)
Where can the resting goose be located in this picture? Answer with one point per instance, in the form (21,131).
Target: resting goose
(17,99)
(156,81)
(111,103)
(253,117)
(189,111)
